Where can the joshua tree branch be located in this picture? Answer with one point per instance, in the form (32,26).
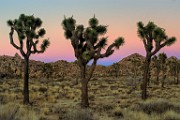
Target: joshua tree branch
(108,52)
(92,68)
(145,44)
(92,51)
(12,40)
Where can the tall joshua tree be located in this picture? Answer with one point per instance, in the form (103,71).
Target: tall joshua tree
(162,59)
(178,71)
(116,69)
(156,64)
(160,64)
(28,31)
(87,45)
(154,38)
(136,63)
(174,66)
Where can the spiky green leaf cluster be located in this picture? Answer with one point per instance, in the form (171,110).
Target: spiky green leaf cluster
(69,26)
(119,42)
(42,32)
(102,43)
(162,57)
(45,44)
(10,23)
(93,22)
(171,41)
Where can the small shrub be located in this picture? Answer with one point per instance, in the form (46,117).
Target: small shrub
(12,111)
(158,107)
(133,115)
(79,114)
(171,115)
(8,112)
(118,113)
(43,89)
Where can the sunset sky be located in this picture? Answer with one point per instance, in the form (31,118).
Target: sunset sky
(121,16)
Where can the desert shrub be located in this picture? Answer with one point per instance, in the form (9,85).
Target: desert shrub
(158,107)
(171,115)
(79,114)
(140,115)
(43,89)
(26,114)
(105,107)
(13,111)
(134,115)
(117,113)
(8,112)
(2,99)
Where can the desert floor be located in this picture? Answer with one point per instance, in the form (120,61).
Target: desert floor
(110,98)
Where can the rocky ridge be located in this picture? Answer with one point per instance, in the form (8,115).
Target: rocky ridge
(12,66)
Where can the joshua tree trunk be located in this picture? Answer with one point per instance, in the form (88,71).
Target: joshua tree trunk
(26,80)
(146,77)
(135,72)
(84,95)
(85,78)
(84,88)
(116,74)
(163,79)
(177,82)
(175,78)
(157,77)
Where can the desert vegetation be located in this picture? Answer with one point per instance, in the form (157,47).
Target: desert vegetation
(135,88)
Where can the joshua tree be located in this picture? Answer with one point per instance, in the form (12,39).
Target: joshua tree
(26,28)
(178,71)
(77,74)
(47,70)
(174,67)
(162,58)
(115,69)
(87,46)
(160,65)
(156,64)
(136,62)
(154,38)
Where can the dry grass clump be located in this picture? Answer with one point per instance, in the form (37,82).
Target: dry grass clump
(159,106)
(139,115)
(13,111)
(79,114)
(117,113)
(134,115)
(171,115)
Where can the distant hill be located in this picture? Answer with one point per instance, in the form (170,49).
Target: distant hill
(127,66)
(12,66)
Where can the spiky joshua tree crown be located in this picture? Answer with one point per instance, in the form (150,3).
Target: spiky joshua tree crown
(87,42)
(28,31)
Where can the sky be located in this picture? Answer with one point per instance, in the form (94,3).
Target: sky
(121,16)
